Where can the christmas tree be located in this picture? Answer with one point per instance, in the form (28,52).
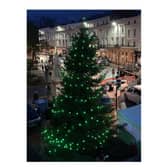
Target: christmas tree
(80,123)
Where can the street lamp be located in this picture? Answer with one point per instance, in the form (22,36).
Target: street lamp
(59,28)
(118,81)
(87,25)
(114,23)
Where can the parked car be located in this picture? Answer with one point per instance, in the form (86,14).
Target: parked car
(133,94)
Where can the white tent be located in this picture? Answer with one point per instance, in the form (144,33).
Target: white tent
(132,118)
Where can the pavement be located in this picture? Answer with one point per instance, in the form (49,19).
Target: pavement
(42,90)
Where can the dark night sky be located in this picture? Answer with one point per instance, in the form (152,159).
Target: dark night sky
(59,17)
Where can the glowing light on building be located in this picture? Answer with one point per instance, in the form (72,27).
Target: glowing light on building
(59,28)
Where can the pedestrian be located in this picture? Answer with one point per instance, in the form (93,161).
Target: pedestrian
(49,84)
(42,67)
(35,97)
(34,101)
(122,100)
(106,88)
(57,68)
(111,87)
(46,73)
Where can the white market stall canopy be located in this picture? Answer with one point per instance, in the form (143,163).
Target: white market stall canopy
(132,117)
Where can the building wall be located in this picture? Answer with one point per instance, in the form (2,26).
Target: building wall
(125,32)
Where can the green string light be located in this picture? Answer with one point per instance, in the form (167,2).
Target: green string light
(65,146)
(69,131)
(45,131)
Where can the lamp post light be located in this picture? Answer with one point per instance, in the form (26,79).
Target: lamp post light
(114,23)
